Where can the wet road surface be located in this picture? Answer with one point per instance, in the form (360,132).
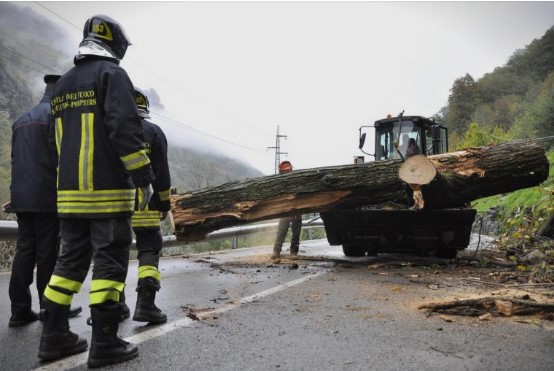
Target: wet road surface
(238,310)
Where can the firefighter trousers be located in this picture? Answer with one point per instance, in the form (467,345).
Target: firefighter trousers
(149,245)
(37,244)
(106,242)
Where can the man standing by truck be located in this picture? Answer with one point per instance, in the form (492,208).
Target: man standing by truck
(295,223)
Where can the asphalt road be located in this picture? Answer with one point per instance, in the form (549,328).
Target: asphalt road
(237,310)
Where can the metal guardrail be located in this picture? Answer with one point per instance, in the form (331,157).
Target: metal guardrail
(8,232)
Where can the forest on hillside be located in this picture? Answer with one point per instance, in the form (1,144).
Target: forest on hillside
(515,101)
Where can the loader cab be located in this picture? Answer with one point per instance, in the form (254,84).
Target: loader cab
(430,137)
(396,228)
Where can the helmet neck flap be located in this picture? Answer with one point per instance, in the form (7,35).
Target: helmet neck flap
(143,114)
(89,47)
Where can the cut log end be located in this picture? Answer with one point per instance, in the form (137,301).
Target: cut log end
(417,170)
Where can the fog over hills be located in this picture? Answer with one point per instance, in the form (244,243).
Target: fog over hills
(32,46)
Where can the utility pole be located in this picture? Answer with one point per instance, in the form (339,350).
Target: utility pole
(277,149)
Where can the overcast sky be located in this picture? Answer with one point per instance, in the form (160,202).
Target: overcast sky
(229,73)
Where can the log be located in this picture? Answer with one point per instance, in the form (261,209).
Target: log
(462,177)
(493,305)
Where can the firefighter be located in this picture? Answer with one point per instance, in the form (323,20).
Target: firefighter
(33,198)
(295,223)
(146,223)
(102,160)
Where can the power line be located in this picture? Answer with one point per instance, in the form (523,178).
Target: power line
(174,122)
(179,88)
(24,65)
(177,123)
(27,58)
(190,128)
(170,83)
(59,16)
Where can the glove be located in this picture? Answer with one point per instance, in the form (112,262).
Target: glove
(147,192)
(7,207)
(163,215)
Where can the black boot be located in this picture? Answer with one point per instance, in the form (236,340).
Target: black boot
(23,319)
(74,311)
(294,250)
(146,310)
(106,347)
(56,340)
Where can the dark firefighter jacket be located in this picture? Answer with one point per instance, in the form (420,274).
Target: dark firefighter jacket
(156,149)
(33,185)
(99,141)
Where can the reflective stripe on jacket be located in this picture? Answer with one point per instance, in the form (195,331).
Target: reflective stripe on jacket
(99,141)
(156,149)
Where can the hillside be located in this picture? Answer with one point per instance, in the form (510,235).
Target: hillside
(515,101)
(26,55)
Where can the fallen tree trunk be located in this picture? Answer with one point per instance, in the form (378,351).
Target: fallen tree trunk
(462,177)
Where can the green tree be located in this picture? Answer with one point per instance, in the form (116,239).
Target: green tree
(503,81)
(506,110)
(462,102)
(484,114)
(476,136)
(538,120)
(536,61)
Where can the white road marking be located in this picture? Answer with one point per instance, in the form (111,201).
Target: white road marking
(81,358)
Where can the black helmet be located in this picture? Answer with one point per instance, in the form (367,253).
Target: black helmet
(108,33)
(51,79)
(142,100)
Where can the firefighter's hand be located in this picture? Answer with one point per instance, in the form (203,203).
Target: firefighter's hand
(147,193)
(163,215)
(7,207)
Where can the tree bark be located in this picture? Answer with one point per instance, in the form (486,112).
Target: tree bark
(462,177)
